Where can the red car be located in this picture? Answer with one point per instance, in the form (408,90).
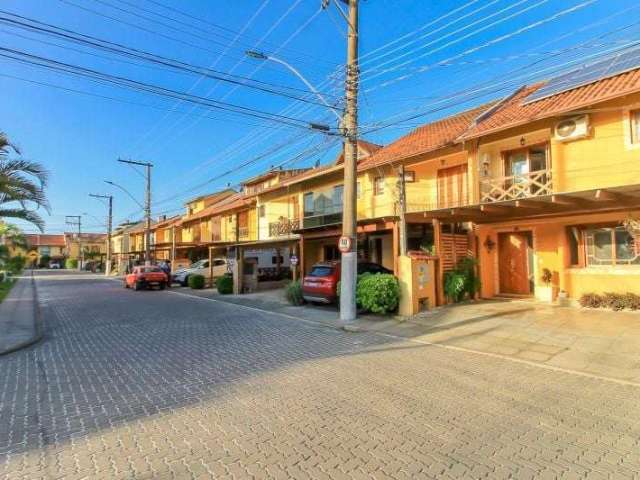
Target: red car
(322,282)
(145,277)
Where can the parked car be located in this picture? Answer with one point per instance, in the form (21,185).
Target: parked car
(321,284)
(55,265)
(146,277)
(201,267)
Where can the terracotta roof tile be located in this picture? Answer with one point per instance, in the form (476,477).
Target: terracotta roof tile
(426,138)
(516,111)
(37,240)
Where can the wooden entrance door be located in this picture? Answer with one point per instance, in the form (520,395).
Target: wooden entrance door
(513,261)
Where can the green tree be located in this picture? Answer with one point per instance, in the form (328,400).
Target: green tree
(22,185)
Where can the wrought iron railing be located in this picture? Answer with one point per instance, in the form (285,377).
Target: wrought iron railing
(283,227)
(523,185)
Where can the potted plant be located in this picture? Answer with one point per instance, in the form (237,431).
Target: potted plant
(544,292)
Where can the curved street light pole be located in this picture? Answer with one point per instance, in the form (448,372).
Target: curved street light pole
(125,191)
(261,56)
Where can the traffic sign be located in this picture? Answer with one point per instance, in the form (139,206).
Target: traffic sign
(293,260)
(344,244)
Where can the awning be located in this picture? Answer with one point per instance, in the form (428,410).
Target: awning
(557,204)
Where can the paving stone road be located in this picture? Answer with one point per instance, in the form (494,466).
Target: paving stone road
(157,385)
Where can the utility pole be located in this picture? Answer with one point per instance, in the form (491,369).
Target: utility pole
(147,208)
(349,247)
(77,223)
(403,211)
(107,268)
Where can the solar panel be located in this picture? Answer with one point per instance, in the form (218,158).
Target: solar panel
(589,73)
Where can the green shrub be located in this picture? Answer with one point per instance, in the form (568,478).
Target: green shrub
(293,292)
(44,261)
(591,300)
(224,284)
(379,293)
(462,281)
(196,281)
(71,263)
(16,264)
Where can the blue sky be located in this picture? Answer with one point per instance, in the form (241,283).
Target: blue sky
(418,57)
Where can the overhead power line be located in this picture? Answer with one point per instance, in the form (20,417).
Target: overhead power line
(130,52)
(43,62)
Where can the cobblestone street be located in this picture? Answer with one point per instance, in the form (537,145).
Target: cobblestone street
(157,385)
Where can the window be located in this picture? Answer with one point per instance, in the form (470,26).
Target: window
(261,211)
(337,197)
(611,246)
(308,204)
(378,185)
(519,163)
(275,260)
(409,176)
(635,126)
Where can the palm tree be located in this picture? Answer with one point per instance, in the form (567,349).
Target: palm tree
(22,183)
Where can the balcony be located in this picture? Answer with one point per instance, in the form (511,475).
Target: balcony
(243,233)
(322,219)
(283,227)
(524,185)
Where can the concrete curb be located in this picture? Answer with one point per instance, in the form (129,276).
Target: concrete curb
(38,330)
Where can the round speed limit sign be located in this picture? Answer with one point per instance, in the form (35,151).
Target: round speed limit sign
(344,244)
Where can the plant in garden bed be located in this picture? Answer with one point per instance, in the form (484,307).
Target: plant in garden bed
(613,301)
(462,281)
(71,263)
(224,284)
(196,281)
(378,293)
(293,292)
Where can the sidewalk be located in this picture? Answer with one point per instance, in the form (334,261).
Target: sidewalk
(19,325)
(594,342)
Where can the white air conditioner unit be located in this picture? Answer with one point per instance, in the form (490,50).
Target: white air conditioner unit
(572,128)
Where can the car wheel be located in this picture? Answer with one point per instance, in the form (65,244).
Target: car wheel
(162,286)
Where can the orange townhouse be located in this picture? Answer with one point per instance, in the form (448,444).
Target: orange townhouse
(553,187)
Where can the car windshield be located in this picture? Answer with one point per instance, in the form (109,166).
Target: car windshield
(150,269)
(321,271)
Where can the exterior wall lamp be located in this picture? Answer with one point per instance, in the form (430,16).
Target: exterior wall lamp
(489,244)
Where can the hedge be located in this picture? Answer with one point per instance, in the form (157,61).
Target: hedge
(196,281)
(71,263)
(224,284)
(379,293)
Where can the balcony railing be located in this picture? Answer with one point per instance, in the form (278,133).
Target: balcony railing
(524,185)
(323,219)
(243,233)
(283,227)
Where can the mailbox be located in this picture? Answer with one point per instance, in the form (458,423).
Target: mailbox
(417,277)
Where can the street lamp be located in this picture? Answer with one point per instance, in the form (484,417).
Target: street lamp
(114,184)
(262,56)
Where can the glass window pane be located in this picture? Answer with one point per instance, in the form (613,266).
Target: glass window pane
(626,250)
(635,126)
(538,158)
(599,248)
(308,204)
